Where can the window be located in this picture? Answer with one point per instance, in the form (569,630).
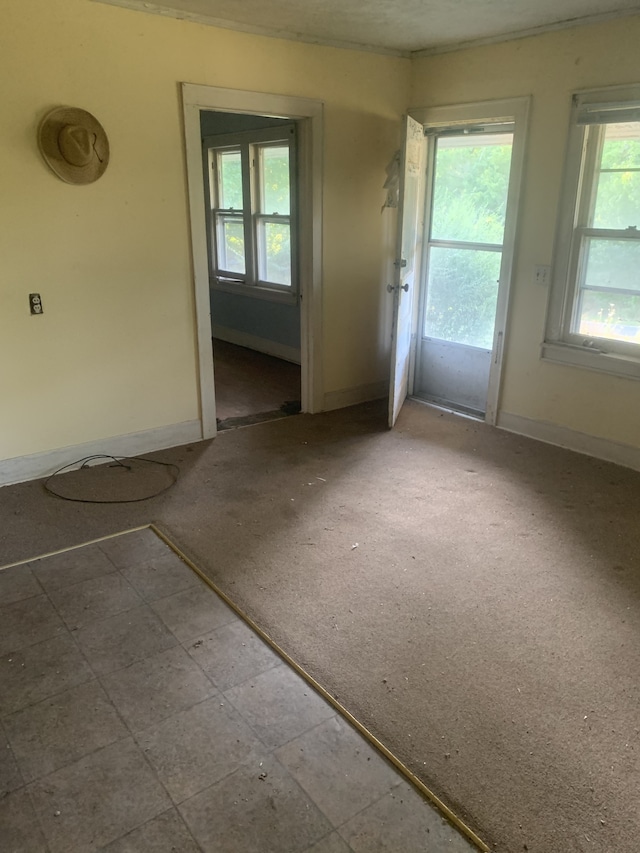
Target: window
(594,316)
(251,220)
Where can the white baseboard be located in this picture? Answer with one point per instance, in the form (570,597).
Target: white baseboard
(242,339)
(23,468)
(590,445)
(353,396)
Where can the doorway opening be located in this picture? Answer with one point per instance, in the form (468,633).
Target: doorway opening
(252,387)
(460,172)
(468,170)
(307,116)
(250,165)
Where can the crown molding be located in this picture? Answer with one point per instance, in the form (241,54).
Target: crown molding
(569,23)
(251,29)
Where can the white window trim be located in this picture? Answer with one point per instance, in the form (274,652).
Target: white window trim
(560,344)
(254,287)
(309,117)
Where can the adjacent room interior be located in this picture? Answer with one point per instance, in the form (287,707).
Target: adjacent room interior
(347,309)
(250,167)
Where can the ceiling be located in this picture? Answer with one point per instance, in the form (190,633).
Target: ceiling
(402,27)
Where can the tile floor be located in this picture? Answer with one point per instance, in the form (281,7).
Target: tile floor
(139,714)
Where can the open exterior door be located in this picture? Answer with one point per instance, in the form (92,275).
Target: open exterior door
(407,263)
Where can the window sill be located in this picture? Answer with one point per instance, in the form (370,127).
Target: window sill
(613,363)
(268,294)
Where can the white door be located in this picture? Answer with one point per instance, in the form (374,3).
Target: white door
(409,249)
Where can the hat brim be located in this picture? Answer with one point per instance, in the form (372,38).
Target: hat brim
(49,133)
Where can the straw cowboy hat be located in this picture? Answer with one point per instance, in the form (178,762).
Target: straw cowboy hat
(74,145)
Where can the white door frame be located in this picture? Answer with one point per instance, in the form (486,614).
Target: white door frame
(514,110)
(309,115)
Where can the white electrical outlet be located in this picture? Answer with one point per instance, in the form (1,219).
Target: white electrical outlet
(542,274)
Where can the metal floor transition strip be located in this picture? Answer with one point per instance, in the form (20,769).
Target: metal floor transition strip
(142,706)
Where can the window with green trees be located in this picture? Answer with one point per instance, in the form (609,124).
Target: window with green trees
(595,298)
(607,303)
(251,209)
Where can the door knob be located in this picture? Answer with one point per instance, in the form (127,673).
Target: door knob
(392,287)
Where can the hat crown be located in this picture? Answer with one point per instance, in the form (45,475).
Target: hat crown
(76,144)
(73,144)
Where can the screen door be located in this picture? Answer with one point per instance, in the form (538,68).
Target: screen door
(468,185)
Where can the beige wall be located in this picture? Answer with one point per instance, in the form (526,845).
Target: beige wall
(114,352)
(548,67)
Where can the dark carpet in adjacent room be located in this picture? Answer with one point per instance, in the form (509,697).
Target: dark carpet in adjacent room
(473,597)
(250,383)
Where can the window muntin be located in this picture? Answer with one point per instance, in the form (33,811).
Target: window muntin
(252,197)
(594,305)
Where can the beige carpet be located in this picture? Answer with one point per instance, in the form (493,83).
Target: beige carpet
(486,627)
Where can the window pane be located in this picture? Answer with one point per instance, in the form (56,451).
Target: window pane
(609,305)
(462,290)
(621,149)
(231,244)
(618,200)
(616,317)
(276,252)
(612,264)
(470,188)
(275,180)
(230,180)
(618,181)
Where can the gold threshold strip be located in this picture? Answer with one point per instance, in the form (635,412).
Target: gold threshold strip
(446,812)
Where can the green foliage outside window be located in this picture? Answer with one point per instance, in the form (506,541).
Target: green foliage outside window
(469,205)
(274,198)
(613,265)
